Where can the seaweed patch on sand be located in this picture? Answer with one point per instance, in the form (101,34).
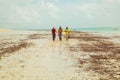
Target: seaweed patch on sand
(13,48)
(103,55)
(37,36)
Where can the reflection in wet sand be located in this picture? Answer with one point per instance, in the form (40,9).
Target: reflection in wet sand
(59,60)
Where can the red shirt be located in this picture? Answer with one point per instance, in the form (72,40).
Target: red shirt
(53,31)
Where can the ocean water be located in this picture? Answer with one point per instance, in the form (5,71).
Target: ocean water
(99,29)
(91,29)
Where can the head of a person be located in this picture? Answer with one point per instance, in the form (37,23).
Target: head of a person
(60,27)
(66,27)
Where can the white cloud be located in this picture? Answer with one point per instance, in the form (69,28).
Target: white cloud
(47,12)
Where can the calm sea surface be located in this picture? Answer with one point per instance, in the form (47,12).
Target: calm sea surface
(99,29)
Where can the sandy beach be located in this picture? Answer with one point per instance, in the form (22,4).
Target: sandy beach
(32,55)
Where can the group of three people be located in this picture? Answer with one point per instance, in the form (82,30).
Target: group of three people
(60,30)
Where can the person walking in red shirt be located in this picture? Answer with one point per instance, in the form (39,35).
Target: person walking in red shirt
(53,33)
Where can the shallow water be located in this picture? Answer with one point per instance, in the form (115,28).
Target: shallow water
(46,60)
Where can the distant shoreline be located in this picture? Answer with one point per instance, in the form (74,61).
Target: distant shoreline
(5,30)
(92,29)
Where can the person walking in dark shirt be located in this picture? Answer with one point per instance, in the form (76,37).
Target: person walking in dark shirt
(53,33)
(60,33)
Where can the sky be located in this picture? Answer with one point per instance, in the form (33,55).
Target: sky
(35,14)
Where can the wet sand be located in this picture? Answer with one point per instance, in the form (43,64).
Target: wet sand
(32,55)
